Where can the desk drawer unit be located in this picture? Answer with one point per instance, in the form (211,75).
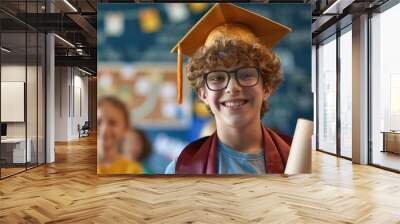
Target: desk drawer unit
(392,142)
(13,151)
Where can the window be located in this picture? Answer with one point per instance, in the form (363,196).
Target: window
(23,77)
(327,95)
(385,89)
(346,92)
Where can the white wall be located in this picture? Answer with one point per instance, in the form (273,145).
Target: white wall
(71,93)
(13,73)
(33,126)
(79,115)
(61,103)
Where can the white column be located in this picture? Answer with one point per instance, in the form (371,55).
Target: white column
(50,92)
(360,90)
(50,100)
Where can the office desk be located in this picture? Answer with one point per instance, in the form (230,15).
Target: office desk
(15,148)
(391,141)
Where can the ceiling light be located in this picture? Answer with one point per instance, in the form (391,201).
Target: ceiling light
(328,10)
(70,5)
(84,71)
(65,41)
(337,7)
(5,50)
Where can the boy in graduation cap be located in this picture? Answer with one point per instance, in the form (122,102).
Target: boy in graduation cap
(234,72)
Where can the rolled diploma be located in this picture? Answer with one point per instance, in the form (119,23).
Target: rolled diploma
(299,160)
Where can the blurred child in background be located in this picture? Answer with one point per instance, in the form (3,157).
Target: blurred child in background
(113,125)
(137,147)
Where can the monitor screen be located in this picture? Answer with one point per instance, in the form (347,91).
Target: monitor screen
(3,129)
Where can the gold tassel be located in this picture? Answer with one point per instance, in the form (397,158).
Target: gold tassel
(179,76)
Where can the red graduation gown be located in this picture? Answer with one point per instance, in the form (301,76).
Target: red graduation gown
(200,156)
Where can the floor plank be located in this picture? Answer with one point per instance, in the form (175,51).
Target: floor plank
(70,191)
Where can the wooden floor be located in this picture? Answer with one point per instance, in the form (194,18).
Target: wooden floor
(70,191)
(5,172)
(10,171)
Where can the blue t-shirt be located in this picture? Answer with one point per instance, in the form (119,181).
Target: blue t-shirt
(230,161)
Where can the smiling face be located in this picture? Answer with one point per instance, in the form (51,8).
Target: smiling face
(235,106)
(112,124)
(226,54)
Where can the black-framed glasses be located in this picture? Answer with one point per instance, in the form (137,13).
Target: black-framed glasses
(219,79)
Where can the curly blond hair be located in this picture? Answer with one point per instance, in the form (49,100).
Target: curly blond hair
(229,53)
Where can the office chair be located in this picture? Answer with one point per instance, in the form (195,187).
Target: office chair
(84,130)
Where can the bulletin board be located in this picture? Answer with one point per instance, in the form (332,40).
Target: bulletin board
(149,92)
